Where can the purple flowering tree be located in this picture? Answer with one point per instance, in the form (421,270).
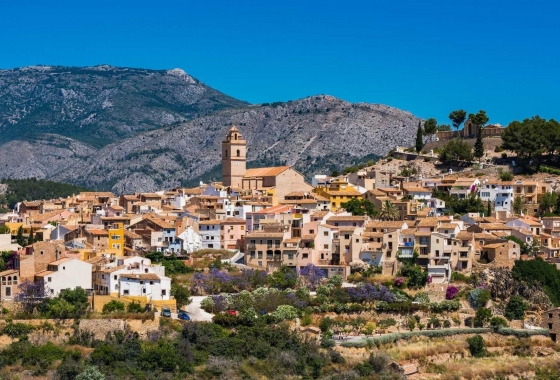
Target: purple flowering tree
(311,276)
(30,295)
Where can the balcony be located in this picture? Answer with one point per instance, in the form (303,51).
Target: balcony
(328,262)
(251,245)
(424,242)
(407,244)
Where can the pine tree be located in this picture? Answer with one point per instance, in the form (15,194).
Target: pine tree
(419,143)
(479,145)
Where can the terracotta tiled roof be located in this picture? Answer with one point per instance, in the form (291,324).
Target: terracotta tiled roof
(494,226)
(113,269)
(44,273)
(274,210)
(266,172)
(292,240)
(98,232)
(451,226)
(428,222)
(61,261)
(319,214)
(385,224)
(493,245)
(464,235)
(309,237)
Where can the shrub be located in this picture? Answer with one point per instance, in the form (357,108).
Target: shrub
(498,322)
(386,323)
(113,306)
(515,308)
(327,343)
(451,292)
(398,282)
(479,297)
(482,316)
(422,297)
(285,312)
(504,155)
(459,277)
(134,307)
(498,149)
(91,373)
(506,175)
(477,346)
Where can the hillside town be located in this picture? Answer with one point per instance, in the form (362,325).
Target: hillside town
(269,218)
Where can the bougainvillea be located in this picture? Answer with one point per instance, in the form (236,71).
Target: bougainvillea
(451,292)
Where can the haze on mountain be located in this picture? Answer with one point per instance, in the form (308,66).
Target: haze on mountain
(128,130)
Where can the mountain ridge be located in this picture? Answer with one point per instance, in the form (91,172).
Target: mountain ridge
(315,134)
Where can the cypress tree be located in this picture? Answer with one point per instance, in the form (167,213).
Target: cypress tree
(419,143)
(19,238)
(479,145)
(30,240)
(489,211)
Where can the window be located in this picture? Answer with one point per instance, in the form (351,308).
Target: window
(145,270)
(336,224)
(163,292)
(242,227)
(125,292)
(151,282)
(550,326)
(141,282)
(346,236)
(260,263)
(144,290)
(259,255)
(354,224)
(326,233)
(311,232)
(49,279)
(42,252)
(238,153)
(305,255)
(252,254)
(114,277)
(357,240)
(8,291)
(325,246)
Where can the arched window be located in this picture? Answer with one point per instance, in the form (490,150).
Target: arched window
(235,136)
(226,153)
(238,153)
(9,278)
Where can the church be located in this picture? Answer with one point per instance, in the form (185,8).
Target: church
(279,180)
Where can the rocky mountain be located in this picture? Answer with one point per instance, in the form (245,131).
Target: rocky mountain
(101,104)
(315,134)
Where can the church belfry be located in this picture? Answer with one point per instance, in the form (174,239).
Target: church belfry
(234,156)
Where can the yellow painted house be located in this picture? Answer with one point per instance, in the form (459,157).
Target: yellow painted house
(338,192)
(116,239)
(14,227)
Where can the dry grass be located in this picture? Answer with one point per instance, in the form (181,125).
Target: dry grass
(492,368)
(215,253)
(427,348)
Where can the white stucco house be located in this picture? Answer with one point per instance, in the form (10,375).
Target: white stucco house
(150,285)
(66,273)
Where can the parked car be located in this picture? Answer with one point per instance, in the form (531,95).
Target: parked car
(166,312)
(183,315)
(232,312)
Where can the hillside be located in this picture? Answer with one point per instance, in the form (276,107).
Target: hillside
(17,190)
(101,104)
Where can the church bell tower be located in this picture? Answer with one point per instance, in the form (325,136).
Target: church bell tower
(234,156)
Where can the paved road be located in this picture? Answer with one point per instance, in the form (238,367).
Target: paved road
(196,313)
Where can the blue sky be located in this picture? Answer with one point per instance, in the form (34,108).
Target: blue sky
(427,57)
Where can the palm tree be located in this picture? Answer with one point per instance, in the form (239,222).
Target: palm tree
(389,211)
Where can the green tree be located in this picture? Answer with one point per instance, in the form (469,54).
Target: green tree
(360,207)
(113,306)
(182,294)
(4,229)
(335,173)
(518,205)
(505,175)
(548,202)
(444,127)
(516,308)
(455,150)
(477,346)
(19,238)
(482,316)
(419,141)
(283,278)
(489,209)
(530,138)
(479,119)
(479,145)
(457,118)
(388,211)
(430,127)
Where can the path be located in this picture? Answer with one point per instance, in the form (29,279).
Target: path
(196,313)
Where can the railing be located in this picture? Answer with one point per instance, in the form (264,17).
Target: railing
(424,242)
(9,282)
(408,244)
(251,245)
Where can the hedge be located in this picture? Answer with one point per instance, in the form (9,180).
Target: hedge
(394,337)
